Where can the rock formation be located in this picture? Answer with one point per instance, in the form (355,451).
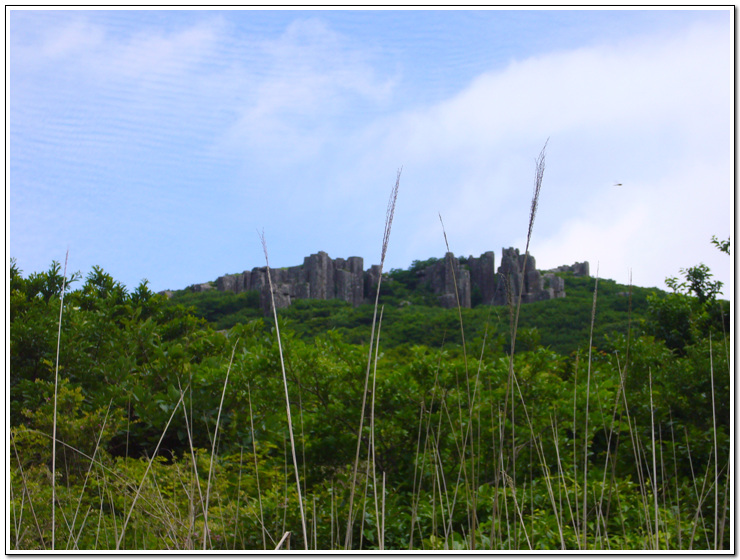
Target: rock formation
(483,276)
(201,287)
(319,277)
(443,277)
(578,269)
(515,277)
(472,278)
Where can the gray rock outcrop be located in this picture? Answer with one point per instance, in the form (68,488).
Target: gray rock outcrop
(447,279)
(483,276)
(578,269)
(372,277)
(519,274)
(555,285)
(202,287)
(474,279)
(319,277)
(281,296)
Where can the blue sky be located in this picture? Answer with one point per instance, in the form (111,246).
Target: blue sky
(156,144)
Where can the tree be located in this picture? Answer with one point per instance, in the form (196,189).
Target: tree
(692,310)
(697,283)
(698,278)
(723,246)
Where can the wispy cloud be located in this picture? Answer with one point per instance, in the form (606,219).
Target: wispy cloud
(309,80)
(93,51)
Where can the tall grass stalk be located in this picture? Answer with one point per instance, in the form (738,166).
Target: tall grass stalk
(510,484)
(585,429)
(462,470)
(287,397)
(256,467)
(382,517)
(87,475)
(514,311)
(108,470)
(575,450)
(655,470)
(714,434)
(287,483)
(414,495)
(698,515)
(696,490)
(724,510)
(315,522)
(438,480)
(538,176)
(459,314)
(238,495)
(441,489)
(639,461)
(364,491)
(332,542)
(54,427)
(194,473)
(26,493)
(372,431)
(622,379)
(663,478)
(561,478)
(390,210)
(675,480)
(213,445)
(284,542)
(427,439)
(143,478)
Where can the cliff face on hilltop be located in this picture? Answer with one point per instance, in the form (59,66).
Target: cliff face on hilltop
(321,277)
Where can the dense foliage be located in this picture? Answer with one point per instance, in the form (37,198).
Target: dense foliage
(619,445)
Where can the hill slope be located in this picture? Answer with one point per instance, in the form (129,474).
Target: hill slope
(412,315)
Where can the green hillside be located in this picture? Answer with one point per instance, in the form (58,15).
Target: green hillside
(411,315)
(173,432)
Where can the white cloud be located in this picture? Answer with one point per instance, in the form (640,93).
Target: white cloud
(612,89)
(652,229)
(652,113)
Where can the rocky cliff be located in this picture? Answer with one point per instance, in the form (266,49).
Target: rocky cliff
(515,277)
(321,277)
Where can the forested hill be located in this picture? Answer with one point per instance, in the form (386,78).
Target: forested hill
(141,422)
(413,315)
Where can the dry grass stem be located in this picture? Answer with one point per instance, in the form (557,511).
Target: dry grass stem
(585,430)
(390,211)
(143,478)
(256,467)
(284,541)
(287,397)
(213,446)
(54,427)
(714,434)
